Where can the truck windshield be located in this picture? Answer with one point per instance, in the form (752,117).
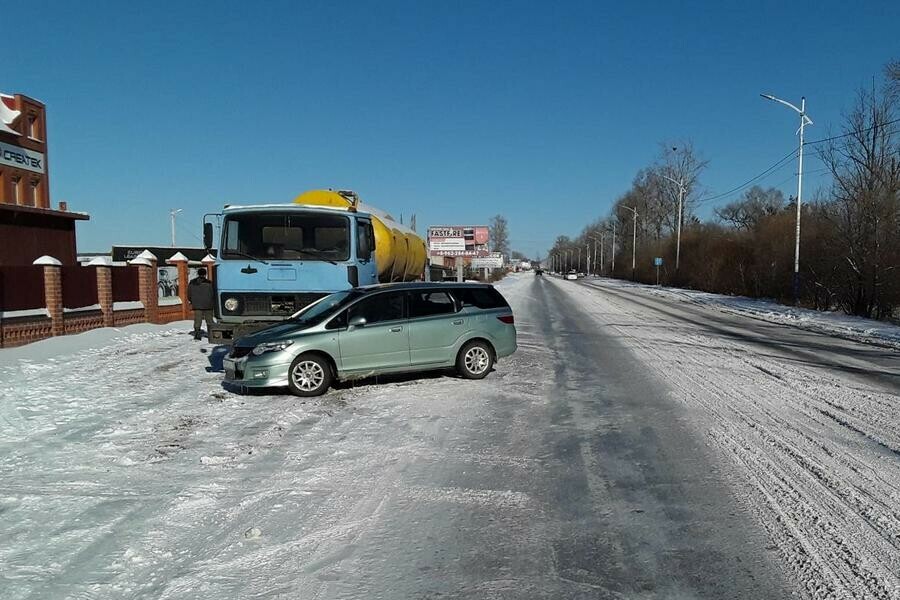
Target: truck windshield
(287,236)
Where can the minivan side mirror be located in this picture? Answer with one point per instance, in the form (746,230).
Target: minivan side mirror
(357,322)
(207,235)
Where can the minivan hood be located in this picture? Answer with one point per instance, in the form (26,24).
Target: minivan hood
(281,331)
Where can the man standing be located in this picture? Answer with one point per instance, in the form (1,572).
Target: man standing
(202,299)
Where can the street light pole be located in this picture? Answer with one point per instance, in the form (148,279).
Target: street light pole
(633,240)
(613,265)
(172,214)
(680,184)
(804,121)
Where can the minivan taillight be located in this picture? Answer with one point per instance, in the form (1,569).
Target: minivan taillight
(508,319)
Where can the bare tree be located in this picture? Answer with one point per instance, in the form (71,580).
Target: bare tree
(499,232)
(755,204)
(865,165)
(679,161)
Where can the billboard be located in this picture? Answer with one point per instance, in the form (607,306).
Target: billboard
(492,261)
(458,240)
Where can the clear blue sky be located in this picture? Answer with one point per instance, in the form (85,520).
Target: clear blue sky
(455,111)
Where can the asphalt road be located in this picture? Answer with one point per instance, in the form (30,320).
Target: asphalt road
(864,362)
(611,493)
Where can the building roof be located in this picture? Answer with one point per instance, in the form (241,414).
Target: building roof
(75,216)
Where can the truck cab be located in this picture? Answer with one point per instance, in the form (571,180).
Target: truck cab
(273,260)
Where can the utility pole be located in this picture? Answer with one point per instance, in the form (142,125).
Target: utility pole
(633,240)
(172,214)
(680,184)
(613,266)
(804,121)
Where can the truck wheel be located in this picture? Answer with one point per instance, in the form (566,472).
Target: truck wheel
(309,375)
(475,360)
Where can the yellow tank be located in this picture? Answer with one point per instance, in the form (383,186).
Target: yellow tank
(399,253)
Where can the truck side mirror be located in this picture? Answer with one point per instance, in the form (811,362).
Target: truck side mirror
(207,235)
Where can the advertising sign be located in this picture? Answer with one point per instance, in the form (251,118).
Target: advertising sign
(493,261)
(458,240)
(22,158)
(436,244)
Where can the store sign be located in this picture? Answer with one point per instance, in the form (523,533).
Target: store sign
(21,158)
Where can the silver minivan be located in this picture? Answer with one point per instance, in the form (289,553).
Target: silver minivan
(389,328)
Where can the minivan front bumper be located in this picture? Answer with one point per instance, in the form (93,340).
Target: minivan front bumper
(250,371)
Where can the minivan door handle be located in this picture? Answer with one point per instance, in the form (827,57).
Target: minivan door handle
(459,321)
(396,329)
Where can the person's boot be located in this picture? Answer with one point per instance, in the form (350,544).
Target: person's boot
(197,336)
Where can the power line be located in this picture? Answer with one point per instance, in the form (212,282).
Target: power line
(778,165)
(849,133)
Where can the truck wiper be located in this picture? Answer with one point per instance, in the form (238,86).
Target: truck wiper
(245,255)
(318,255)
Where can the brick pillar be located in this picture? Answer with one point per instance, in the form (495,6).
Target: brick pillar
(210,263)
(105,294)
(53,293)
(148,289)
(182,266)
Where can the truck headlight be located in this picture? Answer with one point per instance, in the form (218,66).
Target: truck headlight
(271,347)
(231,304)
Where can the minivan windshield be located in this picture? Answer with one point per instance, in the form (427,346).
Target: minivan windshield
(318,311)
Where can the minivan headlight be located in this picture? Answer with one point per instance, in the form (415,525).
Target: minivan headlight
(231,304)
(271,347)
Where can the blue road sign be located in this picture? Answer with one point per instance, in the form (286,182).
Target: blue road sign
(657,262)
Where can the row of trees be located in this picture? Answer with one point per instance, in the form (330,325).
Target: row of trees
(850,245)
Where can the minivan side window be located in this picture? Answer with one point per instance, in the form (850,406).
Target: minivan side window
(379,307)
(486,297)
(428,303)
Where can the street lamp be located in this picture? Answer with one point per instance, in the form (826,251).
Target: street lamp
(680,184)
(172,214)
(633,239)
(600,240)
(804,121)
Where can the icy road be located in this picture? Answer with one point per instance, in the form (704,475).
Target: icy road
(636,446)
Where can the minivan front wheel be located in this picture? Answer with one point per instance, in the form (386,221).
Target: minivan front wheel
(475,360)
(310,375)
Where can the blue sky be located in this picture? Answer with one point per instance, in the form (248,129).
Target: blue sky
(455,111)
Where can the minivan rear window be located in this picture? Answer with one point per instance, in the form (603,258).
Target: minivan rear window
(480,297)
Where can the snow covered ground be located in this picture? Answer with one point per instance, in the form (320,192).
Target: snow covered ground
(833,323)
(815,451)
(127,471)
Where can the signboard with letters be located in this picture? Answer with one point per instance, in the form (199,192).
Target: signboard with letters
(22,158)
(458,240)
(657,261)
(493,261)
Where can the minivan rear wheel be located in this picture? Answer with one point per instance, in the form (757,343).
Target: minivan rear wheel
(309,375)
(475,360)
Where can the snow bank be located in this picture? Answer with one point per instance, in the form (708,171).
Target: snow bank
(831,323)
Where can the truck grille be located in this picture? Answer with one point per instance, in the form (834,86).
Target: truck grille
(276,305)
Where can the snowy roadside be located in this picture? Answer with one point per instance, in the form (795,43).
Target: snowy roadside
(812,451)
(126,470)
(831,323)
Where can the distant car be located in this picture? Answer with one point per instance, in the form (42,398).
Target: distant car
(538,272)
(374,330)
(572,275)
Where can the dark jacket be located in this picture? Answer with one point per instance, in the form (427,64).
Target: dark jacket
(201,294)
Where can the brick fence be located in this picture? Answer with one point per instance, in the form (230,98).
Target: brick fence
(117,302)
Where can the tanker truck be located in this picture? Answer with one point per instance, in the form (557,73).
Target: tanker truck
(275,259)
